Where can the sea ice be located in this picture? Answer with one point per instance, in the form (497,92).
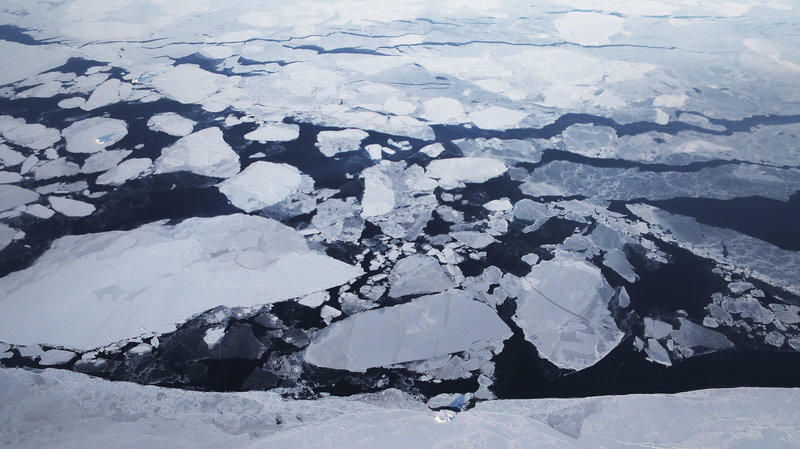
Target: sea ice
(204,152)
(473,239)
(588,28)
(70,207)
(130,169)
(331,143)
(451,173)
(427,327)
(13,196)
(378,194)
(55,168)
(110,92)
(10,157)
(564,313)
(274,132)
(495,117)
(172,124)
(417,274)
(55,357)
(31,135)
(94,134)
(104,160)
(261,184)
(88,291)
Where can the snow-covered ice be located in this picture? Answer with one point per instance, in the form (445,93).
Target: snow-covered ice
(331,143)
(416,275)
(452,172)
(94,134)
(32,135)
(274,132)
(13,196)
(172,124)
(130,169)
(70,207)
(261,184)
(425,328)
(204,152)
(378,193)
(83,300)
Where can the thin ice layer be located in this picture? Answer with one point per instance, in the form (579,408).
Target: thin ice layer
(427,327)
(91,290)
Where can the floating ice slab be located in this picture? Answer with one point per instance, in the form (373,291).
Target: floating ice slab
(473,239)
(94,134)
(204,153)
(7,235)
(378,194)
(564,313)
(31,135)
(29,60)
(188,83)
(172,124)
(10,157)
(13,196)
(69,207)
(588,28)
(451,173)
(495,117)
(91,290)
(110,92)
(274,132)
(55,168)
(261,184)
(331,143)
(416,275)
(104,160)
(425,328)
(49,408)
(130,169)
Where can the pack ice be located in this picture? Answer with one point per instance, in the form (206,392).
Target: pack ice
(91,290)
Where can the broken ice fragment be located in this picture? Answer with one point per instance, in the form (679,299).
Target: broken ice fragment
(418,274)
(204,152)
(172,124)
(274,132)
(70,207)
(94,134)
(13,196)
(261,184)
(657,353)
(451,173)
(331,143)
(473,239)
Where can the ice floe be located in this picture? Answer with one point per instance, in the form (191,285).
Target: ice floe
(13,196)
(274,132)
(94,134)
(204,152)
(588,28)
(416,275)
(563,311)
(83,301)
(453,172)
(130,169)
(261,184)
(31,135)
(70,207)
(378,193)
(331,143)
(172,124)
(110,92)
(425,328)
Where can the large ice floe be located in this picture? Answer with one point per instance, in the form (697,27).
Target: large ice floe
(160,276)
(204,152)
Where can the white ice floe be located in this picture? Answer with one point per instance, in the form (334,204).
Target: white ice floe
(23,61)
(130,169)
(617,261)
(443,110)
(172,124)
(7,235)
(55,168)
(274,132)
(12,196)
(104,160)
(70,207)
(110,92)
(91,290)
(39,211)
(473,239)
(495,117)
(56,357)
(261,184)
(71,103)
(31,135)
(416,275)
(500,205)
(10,157)
(425,328)
(94,134)
(588,28)
(378,194)
(188,83)
(204,152)
(453,172)
(331,143)
(657,353)
(49,408)
(564,312)
(7,177)
(432,150)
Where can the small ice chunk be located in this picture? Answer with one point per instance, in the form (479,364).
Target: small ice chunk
(375,151)
(775,339)
(451,173)
(331,143)
(31,135)
(54,169)
(656,329)
(56,357)
(315,299)
(473,239)
(28,164)
(529,210)
(657,353)
(69,207)
(141,349)
(39,211)
(416,275)
(130,169)
(10,157)
(617,261)
(500,205)
(172,124)
(530,259)
(7,235)
(14,196)
(378,194)
(94,134)
(274,132)
(624,299)
(261,184)
(328,313)
(443,110)
(71,103)
(425,328)
(432,150)
(204,152)
(103,160)
(213,336)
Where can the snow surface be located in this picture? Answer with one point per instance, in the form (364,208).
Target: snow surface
(74,296)
(416,275)
(172,124)
(425,328)
(204,152)
(564,312)
(94,134)
(31,135)
(331,143)
(50,408)
(70,207)
(130,169)
(261,184)
(274,132)
(13,196)
(451,173)
(378,194)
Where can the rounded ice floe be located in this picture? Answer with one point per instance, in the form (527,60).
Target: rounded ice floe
(172,124)
(261,184)
(10,157)
(13,196)
(451,173)
(274,132)
(331,143)
(31,135)
(94,134)
(425,328)
(71,103)
(69,207)
(92,290)
(563,311)
(204,153)
(130,169)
